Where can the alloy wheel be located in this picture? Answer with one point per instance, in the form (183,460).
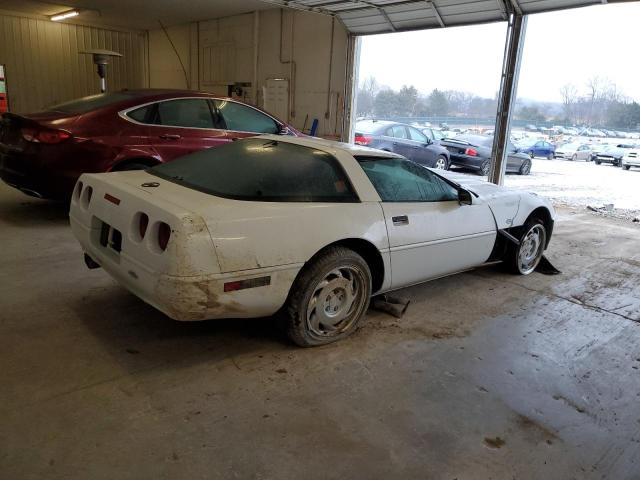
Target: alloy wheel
(336,301)
(531,249)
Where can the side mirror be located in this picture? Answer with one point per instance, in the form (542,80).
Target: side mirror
(464,197)
(284,130)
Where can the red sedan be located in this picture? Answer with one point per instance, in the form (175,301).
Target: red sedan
(43,154)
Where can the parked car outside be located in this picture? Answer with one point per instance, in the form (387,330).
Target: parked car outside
(179,235)
(402,139)
(631,158)
(434,134)
(474,152)
(574,151)
(599,148)
(538,148)
(613,155)
(43,154)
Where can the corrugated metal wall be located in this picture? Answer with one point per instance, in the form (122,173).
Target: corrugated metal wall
(43,67)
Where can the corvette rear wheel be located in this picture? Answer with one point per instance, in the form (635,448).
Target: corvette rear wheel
(328,298)
(524,258)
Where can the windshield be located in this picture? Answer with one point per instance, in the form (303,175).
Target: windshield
(92,102)
(260,169)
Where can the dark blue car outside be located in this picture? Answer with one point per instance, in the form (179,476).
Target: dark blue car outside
(539,148)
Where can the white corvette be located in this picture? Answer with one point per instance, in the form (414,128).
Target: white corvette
(301,226)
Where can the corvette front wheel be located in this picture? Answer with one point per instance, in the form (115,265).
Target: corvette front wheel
(328,298)
(523,259)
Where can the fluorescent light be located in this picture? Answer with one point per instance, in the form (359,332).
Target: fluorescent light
(64,15)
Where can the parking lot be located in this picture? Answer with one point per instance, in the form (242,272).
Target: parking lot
(582,184)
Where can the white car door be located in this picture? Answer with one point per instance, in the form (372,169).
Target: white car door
(430,233)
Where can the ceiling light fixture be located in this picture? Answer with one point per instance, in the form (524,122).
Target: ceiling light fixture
(64,15)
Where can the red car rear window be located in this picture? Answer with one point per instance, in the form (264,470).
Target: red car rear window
(92,102)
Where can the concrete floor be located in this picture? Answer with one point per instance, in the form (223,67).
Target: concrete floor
(487,376)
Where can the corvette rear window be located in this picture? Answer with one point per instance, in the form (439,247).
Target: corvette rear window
(262,170)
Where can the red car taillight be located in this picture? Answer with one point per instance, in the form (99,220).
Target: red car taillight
(472,152)
(164,234)
(48,136)
(143,223)
(362,139)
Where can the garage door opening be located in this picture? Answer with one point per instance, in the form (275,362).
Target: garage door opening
(575,122)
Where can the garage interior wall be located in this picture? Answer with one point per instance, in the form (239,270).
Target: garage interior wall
(219,52)
(43,67)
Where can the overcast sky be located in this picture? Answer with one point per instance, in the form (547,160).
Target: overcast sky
(561,47)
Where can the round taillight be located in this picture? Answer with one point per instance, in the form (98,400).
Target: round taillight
(164,234)
(85,198)
(143,223)
(78,190)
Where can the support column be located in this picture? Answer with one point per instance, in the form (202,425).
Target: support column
(516,33)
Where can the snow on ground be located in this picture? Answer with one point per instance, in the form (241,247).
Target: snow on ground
(582,184)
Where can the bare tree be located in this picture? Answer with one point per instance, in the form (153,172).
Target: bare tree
(595,86)
(569,94)
(366,96)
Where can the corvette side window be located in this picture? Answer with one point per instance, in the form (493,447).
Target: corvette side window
(399,180)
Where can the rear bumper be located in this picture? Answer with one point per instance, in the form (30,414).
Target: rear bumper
(467,161)
(18,170)
(611,160)
(632,162)
(189,298)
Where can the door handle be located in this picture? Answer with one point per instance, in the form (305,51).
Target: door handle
(400,220)
(170,136)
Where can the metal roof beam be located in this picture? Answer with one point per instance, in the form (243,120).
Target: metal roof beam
(387,19)
(436,13)
(503,9)
(516,7)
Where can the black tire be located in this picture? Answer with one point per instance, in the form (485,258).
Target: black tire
(525,168)
(598,162)
(574,158)
(626,167)
(442,160)
(307,292)
(131,166)
(531,155)
(550,156)
(513,251)
(485,168)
